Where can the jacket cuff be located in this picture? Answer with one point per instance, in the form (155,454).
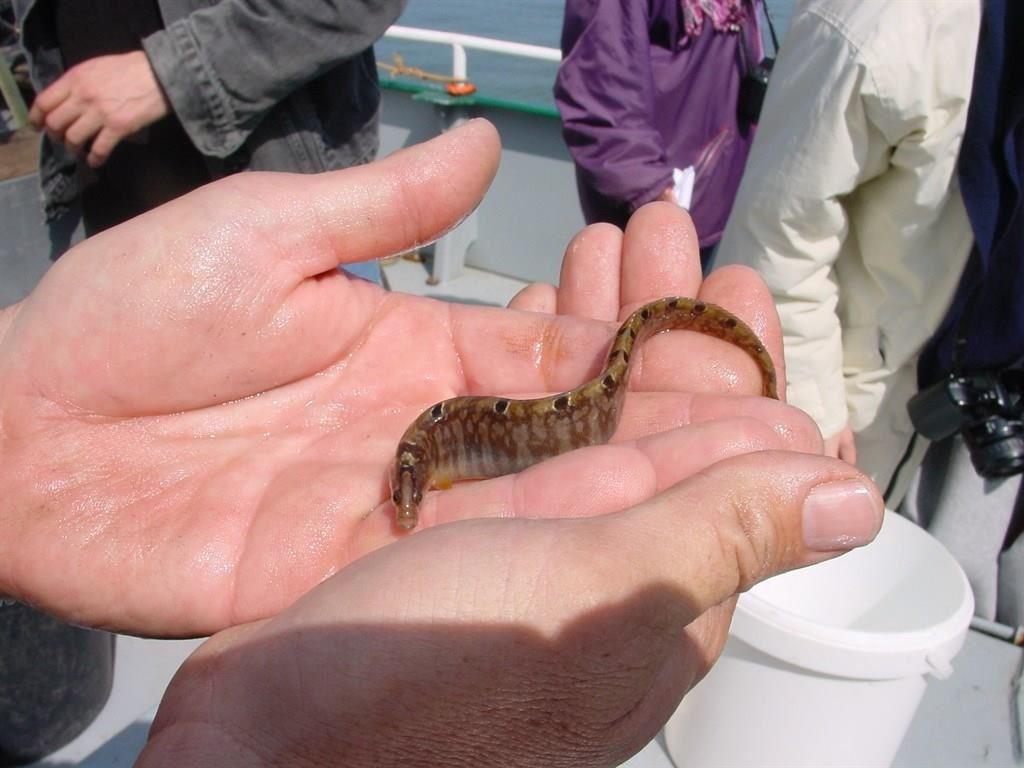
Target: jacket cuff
(193,90)
(825,406)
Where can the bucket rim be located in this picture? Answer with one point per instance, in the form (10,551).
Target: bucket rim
(831,649)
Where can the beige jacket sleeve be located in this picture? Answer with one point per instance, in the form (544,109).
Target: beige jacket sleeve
(816,143)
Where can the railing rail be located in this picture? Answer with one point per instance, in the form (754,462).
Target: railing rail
(459,43)
(12,96)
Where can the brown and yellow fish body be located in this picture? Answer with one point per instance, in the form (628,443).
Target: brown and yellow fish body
(476,437)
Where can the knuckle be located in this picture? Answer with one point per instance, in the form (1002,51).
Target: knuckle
(117,125)
(749,539)
(552,350)
(748,434)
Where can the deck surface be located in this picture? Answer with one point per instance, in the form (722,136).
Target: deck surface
(19,154)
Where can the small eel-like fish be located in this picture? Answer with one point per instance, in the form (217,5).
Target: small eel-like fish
(476,437)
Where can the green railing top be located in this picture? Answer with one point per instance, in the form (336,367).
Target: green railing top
(436,94)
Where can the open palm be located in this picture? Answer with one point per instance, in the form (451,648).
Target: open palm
(197,411)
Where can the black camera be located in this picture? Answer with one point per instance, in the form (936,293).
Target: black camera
(753,88)
(986,409)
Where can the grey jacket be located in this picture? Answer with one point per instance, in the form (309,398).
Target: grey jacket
(287,85)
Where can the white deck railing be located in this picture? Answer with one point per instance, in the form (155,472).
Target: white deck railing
(459,43)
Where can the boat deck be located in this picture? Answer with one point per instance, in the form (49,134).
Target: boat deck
(473,286)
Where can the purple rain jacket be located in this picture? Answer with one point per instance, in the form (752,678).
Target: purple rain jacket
(637,99)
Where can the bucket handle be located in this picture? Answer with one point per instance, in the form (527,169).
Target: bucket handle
(939,666)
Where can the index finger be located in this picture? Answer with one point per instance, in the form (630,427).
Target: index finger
(50,98)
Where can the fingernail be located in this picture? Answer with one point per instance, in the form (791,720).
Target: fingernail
(841,515)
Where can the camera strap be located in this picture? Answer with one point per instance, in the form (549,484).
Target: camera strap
(983,328)
(960,333)
(771,29)
(746,65)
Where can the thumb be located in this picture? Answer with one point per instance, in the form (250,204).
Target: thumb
(409,198)
(745,519)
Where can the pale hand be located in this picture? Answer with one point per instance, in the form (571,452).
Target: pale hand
(541,642)
(842,445)
(197,412)
(96,104)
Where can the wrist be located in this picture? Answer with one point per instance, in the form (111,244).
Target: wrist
(157,105)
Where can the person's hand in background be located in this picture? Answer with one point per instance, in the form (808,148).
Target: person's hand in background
(96,104)
(842,445)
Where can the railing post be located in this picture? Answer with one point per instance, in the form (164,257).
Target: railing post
(459,68)
(11,94)
(450,251)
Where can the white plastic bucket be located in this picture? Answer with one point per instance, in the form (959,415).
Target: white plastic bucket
(826,666)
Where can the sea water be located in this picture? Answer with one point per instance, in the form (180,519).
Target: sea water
(538,22)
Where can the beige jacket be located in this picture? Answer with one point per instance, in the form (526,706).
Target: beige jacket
(850,206)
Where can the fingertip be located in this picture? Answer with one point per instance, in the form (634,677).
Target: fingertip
(589,284)
(536,297)
(738,285)
(660,255)
(750,517)
(841,514)
(409,198)
(797,429)
(102,145)
(481,130)
(737,272)
(473,146)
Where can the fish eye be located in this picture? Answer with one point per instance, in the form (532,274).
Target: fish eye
(417,496)
(396,496)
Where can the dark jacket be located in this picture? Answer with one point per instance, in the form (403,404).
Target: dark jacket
(639,98)
(987,313)
(287,85)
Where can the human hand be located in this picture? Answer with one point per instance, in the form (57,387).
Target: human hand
(512,642)
(197,412)
(668,195)
(102,100)
(842,445)
(565,642)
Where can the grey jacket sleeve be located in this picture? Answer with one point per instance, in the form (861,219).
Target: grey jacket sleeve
(224,67)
